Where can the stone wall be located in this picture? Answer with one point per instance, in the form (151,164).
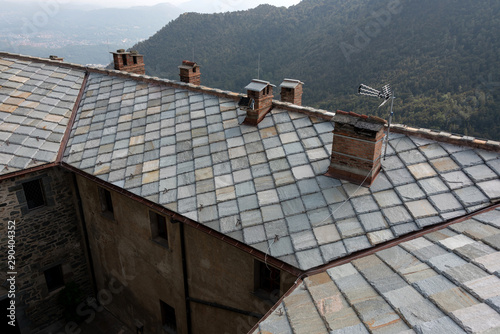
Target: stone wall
(46,236)
(145,271)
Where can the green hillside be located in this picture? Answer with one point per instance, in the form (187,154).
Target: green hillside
(441,57)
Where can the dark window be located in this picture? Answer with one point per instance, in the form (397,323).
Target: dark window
(168,318)
(159,227)
(34,194)
(124,59)
(267,280)
(54,277)
(134,58)
(194,69)
(106,202)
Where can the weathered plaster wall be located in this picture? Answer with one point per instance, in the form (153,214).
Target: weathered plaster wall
(123,250)
(222,274)
(45,236)
(141,270)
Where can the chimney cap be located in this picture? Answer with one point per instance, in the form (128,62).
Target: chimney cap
(291,83)
(372,123)
(258,85)
(187,64)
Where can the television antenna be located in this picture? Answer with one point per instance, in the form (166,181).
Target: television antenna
(385,93)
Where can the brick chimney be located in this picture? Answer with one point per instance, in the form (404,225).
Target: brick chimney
(52,57)
(356,148)
(129,61)
(189,72)
(291,91)
(258,101)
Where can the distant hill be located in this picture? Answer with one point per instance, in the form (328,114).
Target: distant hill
(441,57)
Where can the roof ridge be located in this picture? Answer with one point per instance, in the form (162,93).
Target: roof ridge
(446,137)
(319,113)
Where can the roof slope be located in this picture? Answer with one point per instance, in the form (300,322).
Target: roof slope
(36,101)
(264,185)
(187,150)
(445,282)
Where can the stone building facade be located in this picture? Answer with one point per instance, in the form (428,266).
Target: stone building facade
(182,273)
(49,244)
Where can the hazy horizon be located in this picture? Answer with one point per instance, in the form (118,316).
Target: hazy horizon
(236,4)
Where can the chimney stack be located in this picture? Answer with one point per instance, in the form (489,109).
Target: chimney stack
(52,57)
(129,61)
(189,72)
(258,102)
(356,148)
(291,91)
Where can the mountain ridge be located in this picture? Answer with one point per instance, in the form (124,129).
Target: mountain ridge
(440,57)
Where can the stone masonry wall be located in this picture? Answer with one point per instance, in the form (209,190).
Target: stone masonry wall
(45,236)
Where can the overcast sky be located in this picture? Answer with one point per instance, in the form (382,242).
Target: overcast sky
(130,3)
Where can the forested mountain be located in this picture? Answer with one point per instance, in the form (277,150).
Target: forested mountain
(442,58)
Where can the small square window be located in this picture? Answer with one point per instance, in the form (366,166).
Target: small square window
(168,318)
(267,281)
(106,203)
(33,192)
(54,277)
(158,227)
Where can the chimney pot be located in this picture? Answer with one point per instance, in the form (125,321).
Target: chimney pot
(258,102)
(189,72)
(291,91)
(357,147)
(131,61)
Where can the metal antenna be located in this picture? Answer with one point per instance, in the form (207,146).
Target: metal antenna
(258,68)
(385,93)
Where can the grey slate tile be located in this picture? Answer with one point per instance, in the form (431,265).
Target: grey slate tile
(303,240)
(490,188)
(400,177)
(467,158)
(333,251)
(356,243)
(480,173)
(373,221)
(445,202)
(364,204)
(309,258)
(298,223)
(443,325)
(397,215)
(412,157)
(349,227)
(470,196)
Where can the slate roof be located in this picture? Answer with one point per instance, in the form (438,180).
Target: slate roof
(444,282)
(36,100)
(188,151)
